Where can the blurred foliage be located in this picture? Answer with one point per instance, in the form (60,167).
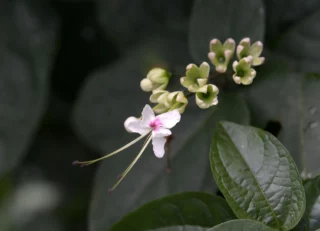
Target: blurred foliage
(69,76)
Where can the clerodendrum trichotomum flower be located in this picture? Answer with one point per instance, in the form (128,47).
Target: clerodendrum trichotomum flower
(155,128)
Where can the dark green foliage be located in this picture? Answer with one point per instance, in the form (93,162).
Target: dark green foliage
(69,77)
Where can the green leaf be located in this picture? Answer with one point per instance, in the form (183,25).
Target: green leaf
(311,218)
(223,19)
(111,96)
(292,100)
(27,40)
(181,228)
(241,225)
(300,44)
(257,175)
(190,208)
(281,14)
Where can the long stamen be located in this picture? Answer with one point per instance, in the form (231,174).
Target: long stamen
(132,163)
(85,163)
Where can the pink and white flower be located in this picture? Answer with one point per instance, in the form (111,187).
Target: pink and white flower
(156,128)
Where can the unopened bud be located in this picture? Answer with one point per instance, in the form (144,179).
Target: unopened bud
(157,79)
(159,96)
(177,100)
(159,75)
(146,85)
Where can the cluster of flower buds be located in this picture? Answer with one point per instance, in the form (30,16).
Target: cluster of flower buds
(156,81)
(170,105)
(196,82)
(248,56)
(167,101)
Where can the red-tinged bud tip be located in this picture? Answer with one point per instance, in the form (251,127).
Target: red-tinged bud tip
(169,170)
(110,190)
(83,165)
(75,162)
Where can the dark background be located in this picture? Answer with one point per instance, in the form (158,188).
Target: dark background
(61,43)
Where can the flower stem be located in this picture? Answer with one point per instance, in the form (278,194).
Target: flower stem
(132,163)
(85,163)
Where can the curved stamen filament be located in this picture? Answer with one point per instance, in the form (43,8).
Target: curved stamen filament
(132,163)
(111,154)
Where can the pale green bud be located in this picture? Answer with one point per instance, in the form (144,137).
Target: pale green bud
(158,75)
(160,108)
(157,79)
(146,85)
(220,55)
(245,49)
(159,96)
(176,100)
(168,101)
(207,96)
(244,74)
(196,77)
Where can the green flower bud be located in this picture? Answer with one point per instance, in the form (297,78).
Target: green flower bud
(196,77)
(157,78)
(207,96)
(159,96)
(158,75)
(146,85)
(160,108)
(176,100)
(243,72)
(220,55)
(245,49)
(168,101)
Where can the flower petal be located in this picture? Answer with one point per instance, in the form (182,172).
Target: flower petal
(135,125)
(169,119)
(158,146)
(161,132)
(147,115)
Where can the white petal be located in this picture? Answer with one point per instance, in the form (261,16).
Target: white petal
(158,146)
(169,119)
(147,115)
(161,132)
(135,125)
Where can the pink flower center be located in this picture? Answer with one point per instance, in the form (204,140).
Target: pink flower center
(155,124)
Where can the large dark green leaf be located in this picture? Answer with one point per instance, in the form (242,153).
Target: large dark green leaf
(302,43)
(223,19)
(28,37)
(191,208)
(241,225)
(281,14)
(292,100)
(257,175)
(311,218)
(114,94)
